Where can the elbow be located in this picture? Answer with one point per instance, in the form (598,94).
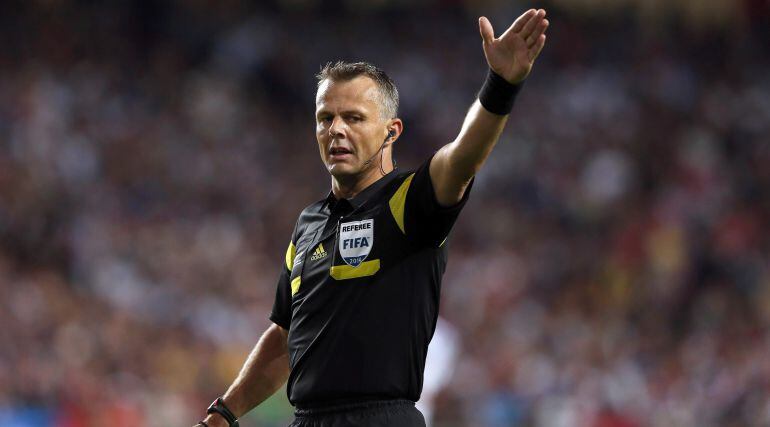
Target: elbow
(451,172)
(463,166)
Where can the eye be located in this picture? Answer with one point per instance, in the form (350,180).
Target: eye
(355,119)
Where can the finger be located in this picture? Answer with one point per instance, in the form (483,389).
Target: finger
(534,52)
(539,30)
(486,30)
(519,23)
(532,23)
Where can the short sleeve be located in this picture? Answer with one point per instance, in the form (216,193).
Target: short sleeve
(424,218)
(281,313)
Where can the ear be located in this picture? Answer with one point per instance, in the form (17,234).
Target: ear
(395,128)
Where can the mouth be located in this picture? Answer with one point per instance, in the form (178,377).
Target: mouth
(339,153)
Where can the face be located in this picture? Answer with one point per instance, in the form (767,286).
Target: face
(349,126)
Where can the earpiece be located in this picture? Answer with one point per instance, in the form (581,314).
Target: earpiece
(391,135)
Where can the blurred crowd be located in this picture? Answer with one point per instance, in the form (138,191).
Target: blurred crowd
(612,268)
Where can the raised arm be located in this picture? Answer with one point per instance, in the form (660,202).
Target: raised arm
(510,58)
(264,372)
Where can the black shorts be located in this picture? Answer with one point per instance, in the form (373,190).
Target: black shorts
(380,413)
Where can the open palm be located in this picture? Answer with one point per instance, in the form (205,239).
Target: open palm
(512,54)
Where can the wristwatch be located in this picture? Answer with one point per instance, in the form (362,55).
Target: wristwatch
(219,407)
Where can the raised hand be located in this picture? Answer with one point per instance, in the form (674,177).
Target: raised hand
(512,54)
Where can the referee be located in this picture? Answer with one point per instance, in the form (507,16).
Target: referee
(357,299)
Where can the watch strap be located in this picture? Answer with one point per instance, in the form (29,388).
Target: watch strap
(218,406)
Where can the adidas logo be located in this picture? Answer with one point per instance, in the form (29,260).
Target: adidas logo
(319,253)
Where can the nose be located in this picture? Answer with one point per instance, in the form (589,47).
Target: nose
(337,129)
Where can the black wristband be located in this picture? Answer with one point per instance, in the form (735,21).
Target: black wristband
(218,406)
(497,95)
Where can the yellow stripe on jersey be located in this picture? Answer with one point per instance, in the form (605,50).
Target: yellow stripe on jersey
(398,201)
(291,252)
(295,285)
(344,272)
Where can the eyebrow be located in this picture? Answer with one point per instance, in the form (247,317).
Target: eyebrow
(344,112)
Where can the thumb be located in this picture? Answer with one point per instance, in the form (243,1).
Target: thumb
(485,28)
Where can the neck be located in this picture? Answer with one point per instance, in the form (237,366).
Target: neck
(347,187)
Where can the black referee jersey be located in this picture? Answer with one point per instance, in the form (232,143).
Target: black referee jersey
(359,292)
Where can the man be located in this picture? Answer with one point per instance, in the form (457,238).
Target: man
(357,300)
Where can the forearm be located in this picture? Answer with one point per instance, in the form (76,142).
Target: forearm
(480,132)
(264,372)
(456,163)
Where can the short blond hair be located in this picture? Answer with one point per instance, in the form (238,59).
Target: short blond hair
(342,71)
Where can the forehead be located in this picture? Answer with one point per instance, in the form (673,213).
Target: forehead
(360,92)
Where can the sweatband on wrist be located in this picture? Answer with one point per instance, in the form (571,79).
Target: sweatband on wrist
(497,95)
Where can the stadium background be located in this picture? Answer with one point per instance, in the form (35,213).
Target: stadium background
(612,268)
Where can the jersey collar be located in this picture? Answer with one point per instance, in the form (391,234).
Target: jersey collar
(364,195)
